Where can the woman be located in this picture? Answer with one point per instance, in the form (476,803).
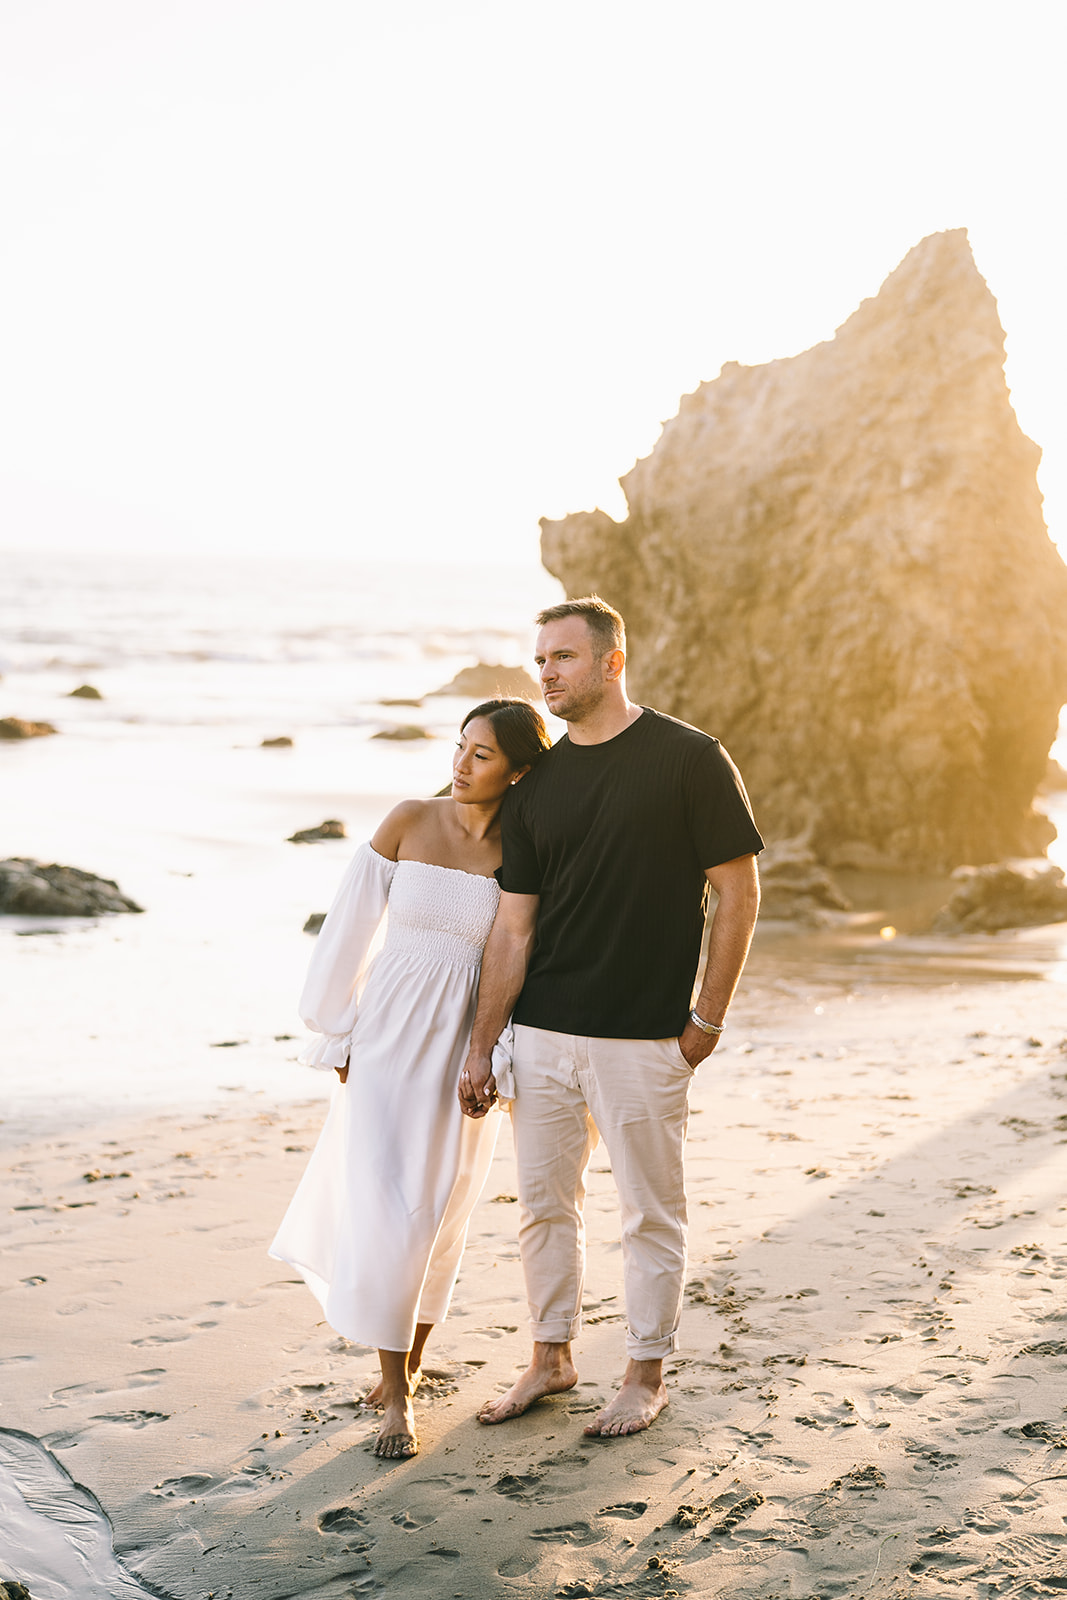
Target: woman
(379,1221)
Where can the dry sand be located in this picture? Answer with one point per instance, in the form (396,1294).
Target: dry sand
(868,1400)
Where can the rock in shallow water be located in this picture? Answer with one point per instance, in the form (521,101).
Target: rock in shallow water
(19,728)
(407,730)
(332,828)
(838,564)
(1004,894)
(794,886)
(31,889)
(85,691)
(485,682)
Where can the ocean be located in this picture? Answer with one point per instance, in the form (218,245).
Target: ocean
(164,786)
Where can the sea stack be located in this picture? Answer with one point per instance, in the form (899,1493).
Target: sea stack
(838,564)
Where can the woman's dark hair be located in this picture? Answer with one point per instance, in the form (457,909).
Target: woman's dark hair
(517,729)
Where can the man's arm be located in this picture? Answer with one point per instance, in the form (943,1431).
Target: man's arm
(737,885)
(507,954)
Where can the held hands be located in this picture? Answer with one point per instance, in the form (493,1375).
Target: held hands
(477,1087)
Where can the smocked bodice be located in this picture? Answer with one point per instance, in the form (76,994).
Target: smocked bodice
(439,913)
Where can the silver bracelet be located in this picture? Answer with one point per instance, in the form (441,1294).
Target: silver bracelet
(706,1027)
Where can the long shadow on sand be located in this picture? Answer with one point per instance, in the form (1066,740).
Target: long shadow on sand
(869,1404)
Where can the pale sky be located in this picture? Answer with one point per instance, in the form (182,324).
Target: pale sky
(359,279)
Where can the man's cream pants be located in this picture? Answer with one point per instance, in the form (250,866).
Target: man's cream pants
(635,1094)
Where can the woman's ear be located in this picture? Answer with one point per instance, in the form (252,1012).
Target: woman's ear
(521,773)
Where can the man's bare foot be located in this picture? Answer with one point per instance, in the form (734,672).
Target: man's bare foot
(376,1396)
(396,1435)
(551,1371)
(637,1405)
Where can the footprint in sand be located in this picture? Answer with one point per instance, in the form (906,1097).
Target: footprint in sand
(628,1511)
(734,1507)
(412,1519)
(150,1340)
(930,1457)
(188,1487)
(986,1519)
(136,1380)
(516,1566)
(579,1533)
(345,1519)
(133,1419)
(518,1485)
(938,1562)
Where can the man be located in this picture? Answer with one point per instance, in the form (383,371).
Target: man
(609,845)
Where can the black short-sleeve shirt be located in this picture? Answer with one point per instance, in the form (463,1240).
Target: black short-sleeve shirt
(615,838)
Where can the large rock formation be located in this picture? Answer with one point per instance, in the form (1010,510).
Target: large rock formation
(838,564)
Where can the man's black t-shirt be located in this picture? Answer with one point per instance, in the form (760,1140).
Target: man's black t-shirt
(615,839)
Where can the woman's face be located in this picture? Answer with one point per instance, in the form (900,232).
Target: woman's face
(481,771)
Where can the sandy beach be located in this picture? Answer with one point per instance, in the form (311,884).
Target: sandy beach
(868,1399)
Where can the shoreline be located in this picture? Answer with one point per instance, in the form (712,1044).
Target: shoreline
(868,1392)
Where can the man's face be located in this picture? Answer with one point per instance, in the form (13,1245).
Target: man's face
(573,679)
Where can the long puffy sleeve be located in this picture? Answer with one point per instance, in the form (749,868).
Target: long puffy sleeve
(343,953)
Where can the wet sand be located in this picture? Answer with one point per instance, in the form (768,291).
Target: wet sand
(868,1399)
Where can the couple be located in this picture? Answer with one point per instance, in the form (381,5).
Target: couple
(576,879)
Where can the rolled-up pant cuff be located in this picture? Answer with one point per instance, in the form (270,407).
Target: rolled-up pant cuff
(558,1332)
(650,1349)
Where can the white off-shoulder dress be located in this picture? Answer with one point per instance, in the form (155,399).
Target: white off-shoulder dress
(379,1220)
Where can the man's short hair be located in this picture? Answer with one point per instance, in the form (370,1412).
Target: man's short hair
(605,625)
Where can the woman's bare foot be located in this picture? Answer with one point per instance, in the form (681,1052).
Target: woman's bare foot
(637,1405)
(396,1436)
(376,1396)
(551,1371)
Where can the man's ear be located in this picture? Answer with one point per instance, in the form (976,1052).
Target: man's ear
(614,665)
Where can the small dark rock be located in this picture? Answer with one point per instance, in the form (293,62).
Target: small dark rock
(19,728)
(330,829)
(406,730)
(11,1589)
(484,682)
(1004,894)
(283,742)
(85,691)
(30,889)
(314,922)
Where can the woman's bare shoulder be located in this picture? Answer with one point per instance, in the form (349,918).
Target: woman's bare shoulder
(404,819)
